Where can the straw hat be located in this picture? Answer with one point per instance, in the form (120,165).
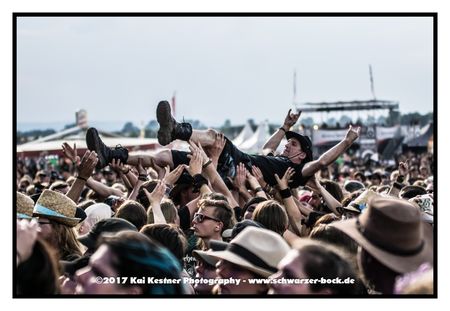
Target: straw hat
(58,207)
(255,249)
(24,206)
(391,230)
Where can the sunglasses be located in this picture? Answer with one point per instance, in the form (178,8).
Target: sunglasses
(199,218)
(42,222)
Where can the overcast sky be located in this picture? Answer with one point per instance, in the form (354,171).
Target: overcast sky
(118,68)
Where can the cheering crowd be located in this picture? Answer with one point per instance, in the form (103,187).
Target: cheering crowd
(217,221)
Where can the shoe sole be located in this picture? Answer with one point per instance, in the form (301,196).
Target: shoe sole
(93,144)
(166,123)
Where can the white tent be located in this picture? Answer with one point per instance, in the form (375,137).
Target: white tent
(245,134)
(255,143)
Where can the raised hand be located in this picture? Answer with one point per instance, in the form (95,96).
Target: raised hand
(71,153)
(140,168)
(252,181)
(172,177)
(216,148)
(283,183)
(198,148)
(26,235)
(352,134)
(258,175)
(87,164)
(118,166)
(195,163)
(290,119)
(241,175)
(403,168)
(157,194)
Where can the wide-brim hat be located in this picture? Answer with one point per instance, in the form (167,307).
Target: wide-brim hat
(58,207)
(255,249)
(304,141)
(391,230)
(25,206)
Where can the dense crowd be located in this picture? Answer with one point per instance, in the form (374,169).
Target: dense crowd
(217,221)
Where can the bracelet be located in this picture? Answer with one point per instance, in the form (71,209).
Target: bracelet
(400,178)
(281,128)
(259,189)
(285,193)
(126,171)
(397,185)
(207,163)
(82,178)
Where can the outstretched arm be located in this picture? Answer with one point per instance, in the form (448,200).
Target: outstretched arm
(331,155)
(85,169)
(274,140)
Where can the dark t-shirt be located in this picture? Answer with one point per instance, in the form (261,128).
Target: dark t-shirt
(185,218)
(269,165)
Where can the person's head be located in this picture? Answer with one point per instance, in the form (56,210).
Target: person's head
(142,197)
(331,235)
(375,179)
(249,207)
(315,200)
(169,236)
(359,176)
(24,182)
(409,192)
(95,213)
(314,260)
(109,175)
(326,219)
(60,186)
(38,275)
(272,216)
(169,211)
(352,185)
(254,253)
(61,237)
(108,226)
(230,234)
(333,188)
(205,267)
(182,193)
(134,212)
(41,177)
(392,240)
(212,218)
(298,148)
(129,255)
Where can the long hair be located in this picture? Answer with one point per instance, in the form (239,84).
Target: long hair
(38,275)
(64,239)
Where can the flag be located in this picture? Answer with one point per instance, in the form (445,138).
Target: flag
(173,104)
(371,82)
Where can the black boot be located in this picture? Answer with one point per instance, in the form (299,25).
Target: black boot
(169,128)
(104,153)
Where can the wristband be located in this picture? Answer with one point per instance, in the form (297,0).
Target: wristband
(82,178)
(207,163)
(126,172)
(259,189)
(400,179)
(143,177)
(281,128)
(285,193)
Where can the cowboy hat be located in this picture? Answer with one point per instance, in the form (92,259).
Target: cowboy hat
(391,230)
(214,245)
(58,207)
(255,249)
(24,206)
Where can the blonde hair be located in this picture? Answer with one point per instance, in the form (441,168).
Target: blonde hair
(64,239)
